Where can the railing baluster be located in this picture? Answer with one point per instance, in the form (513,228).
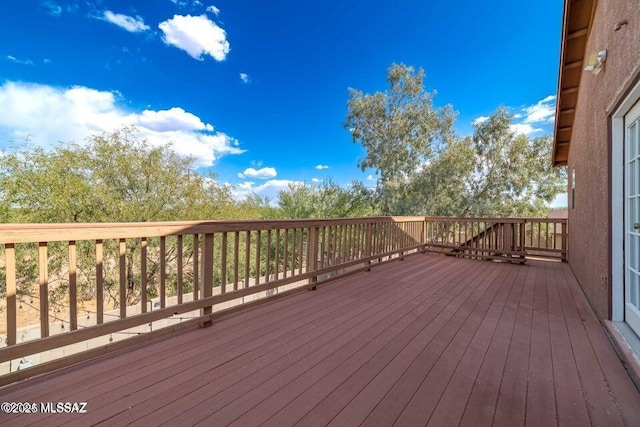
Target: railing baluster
(73,291)
(276,256)
(236,256)
(323,247)
(99,282)
(143,274)
(522,240)
(293,252)
(247,258)
(301,250)
(307,255)
(285,255)
(10,277)
(347,243)
(43,277)
(123,277)
(334,244)
(179,272)
(267,272)
(196,267)
(258,243)
(354,241)
(564,241)
(223,263)
(546,235)
(207,274)
(312,245)
(163,272)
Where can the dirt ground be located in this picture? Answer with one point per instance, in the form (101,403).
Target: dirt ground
(28,311)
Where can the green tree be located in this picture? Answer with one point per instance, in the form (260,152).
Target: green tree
(425,168)
(116,177)
(496,172)
(325,200)
(255,206)
(400,130)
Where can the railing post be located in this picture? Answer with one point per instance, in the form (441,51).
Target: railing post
(43,275)
(207,276)
(312,246)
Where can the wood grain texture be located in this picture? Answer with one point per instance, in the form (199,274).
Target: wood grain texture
(431,340)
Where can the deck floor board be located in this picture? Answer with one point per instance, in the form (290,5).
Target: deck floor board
(428,340)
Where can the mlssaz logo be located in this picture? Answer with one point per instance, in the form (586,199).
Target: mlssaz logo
(63,407)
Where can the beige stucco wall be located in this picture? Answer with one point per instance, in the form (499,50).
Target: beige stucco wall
(589,150)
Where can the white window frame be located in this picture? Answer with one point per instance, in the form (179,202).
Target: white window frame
(617,203)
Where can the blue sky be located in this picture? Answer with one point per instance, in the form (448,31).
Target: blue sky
(257,91)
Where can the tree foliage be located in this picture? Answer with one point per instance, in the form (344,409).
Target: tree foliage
(115,177)
(326,200)
(424,168)
(400,130)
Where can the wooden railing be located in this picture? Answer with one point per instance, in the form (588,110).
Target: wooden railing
(511,239)
(94,281)
(152,271)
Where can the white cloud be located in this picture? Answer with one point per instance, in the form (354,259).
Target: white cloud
(269,189)
(542,112)
(196,35)
(48,114)
(245,77)
(213,10)
(370,178)
(316,180)
(479,120)
(320,167)
(19,61)
(175,119)
(248,185)
(264,173)
(524,128)
(52,8)
(129,23)
(535,118)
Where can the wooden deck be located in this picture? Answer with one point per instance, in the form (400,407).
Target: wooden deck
(429,340)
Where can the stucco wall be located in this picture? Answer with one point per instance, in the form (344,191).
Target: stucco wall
(589,241)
